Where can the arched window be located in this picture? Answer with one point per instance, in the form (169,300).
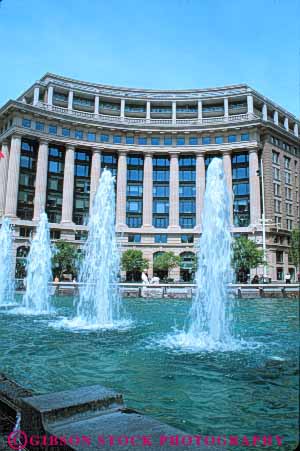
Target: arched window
(187,266)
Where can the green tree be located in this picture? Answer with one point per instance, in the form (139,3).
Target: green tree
(246,255)
(134,263)
(165,261)
(294,252)
(66,259)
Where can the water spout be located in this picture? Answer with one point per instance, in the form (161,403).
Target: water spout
(36,299)
(6,264)
(98,305)
(209,323)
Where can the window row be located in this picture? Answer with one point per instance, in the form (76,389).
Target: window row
(131,139)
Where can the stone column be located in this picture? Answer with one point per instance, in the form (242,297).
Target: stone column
(173,112)
(50,95)
(3,175)
(122,110)
(70,100)
(226,113)
(286,123)
(148,111)
(41,181)
(95,175)
(254,186)
(200,187)
(296,132)
(174,191)
(147,190)
(68,187)
(265,112)
(250,104)
(275,117)
(96,106)
(36,95)
(13,177)
(121,190)
(200,110)
(228,176)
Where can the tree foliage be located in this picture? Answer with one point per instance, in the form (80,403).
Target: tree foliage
(246,254)
(294,252)
(66,259)
(133,261)
(165,261)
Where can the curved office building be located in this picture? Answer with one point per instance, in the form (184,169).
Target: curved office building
(57,136)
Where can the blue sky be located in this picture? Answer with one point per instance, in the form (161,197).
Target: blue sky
(154,44)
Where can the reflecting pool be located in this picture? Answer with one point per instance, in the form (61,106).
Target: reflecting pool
(249,391)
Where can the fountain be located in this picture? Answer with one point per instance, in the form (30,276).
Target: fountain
(209,322)
(98,305)
(6,264)
(36,299)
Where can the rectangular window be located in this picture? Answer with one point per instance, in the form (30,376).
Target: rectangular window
(134,190)
(187,238)
(52,129)
(161,238)
(193,141)
(66,132)
(26,123)
(180,140)
(187,222)
(161,222)
(104,138)
(117,139)
(155,141)
(91,136)
(134,221)
(245,137)
(219,139)
(142,140)
(78,134)
(231,138)
(275,157)
(168,140)
(206,140)
(40,126)
(287,163)
(129,140)
(134,238)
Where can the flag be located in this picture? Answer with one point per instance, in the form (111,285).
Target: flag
(1,154)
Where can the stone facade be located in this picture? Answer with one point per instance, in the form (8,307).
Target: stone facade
(60,133)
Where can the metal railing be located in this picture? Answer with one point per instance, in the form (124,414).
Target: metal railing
(128,120)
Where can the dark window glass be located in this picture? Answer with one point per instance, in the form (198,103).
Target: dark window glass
(168,140)
(26,123)
(78,134)
(219,139)
(104,138)
(28,161)
(40,126)
(187,222)
(65,131)
(117,139)
(81,200)
(231,138)
(193,141)
(245,137)
(135,238)
(129,139)
(180,140)
(52,129)
(142,140)
(206,140)
(187,238)
(155,141)
(91,136)
(161,238)
(55,183)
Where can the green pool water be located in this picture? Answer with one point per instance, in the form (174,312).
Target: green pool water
(253,391)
